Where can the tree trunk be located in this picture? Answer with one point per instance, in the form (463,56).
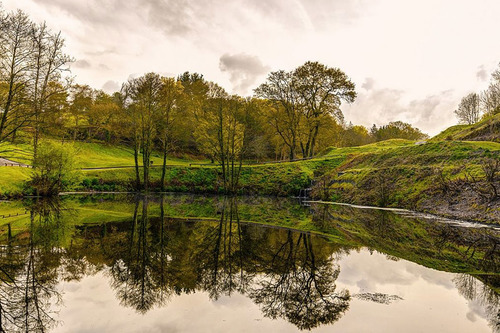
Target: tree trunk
(164,166)
(136,160)
(313,142)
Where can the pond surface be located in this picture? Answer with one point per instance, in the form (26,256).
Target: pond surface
(179,263)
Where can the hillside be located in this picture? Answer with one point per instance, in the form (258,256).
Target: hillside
(487,129)
(88,155)
(446,178)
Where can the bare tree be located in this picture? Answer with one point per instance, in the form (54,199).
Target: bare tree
(468,111)
(490,98)
(47,62)
(16,48)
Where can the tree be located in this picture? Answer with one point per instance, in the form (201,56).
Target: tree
(54,168)
(144,96)
(170,102)
(355,136)
(81,100)
(47,61)
(468,110)
(16,48)
(221,132)
(397,130)
(301,99)
(31,61)
(195,89)
(101,115)
(490,98)
(284,115)
(53,120)
(321,90)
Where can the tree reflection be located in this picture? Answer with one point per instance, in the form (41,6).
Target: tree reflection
(221,254)
(415,238)
(289,274)
(473,290)
(139,273)
(299,286)
(29,273)
(156,253)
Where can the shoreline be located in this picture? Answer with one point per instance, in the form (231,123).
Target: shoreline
(452,220)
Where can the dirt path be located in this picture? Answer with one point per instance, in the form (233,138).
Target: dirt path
(5,162)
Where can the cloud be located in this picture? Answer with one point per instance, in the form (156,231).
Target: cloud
(103,67)
(176,17)
(368,84)
(482,74)
(111,87)
(243,70)
(402,67)
(81,64)
(383,105)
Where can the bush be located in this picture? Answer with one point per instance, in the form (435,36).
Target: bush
(54,169)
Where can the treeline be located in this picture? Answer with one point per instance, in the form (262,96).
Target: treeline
(475,106)
(294,114)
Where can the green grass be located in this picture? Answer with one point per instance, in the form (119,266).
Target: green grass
(370,148)
(408,176)
(89,155)
(12,180)
(486,129)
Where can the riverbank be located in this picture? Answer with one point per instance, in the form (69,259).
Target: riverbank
(445,178)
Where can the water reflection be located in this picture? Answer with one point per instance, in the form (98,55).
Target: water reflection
(436,245)
(156,254)
(28,273)
(291,275)
(476,292)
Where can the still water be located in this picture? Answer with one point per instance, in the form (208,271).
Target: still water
(179,263)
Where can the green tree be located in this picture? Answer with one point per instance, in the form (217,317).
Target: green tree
(54,168)
(145,98)
(301,99)
(171,96)
(284,109)
(221,133)
(81,100)
(397,130)
(322,90)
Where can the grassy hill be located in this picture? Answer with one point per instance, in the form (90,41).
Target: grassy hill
(487,129)
(89,155)
(436,177)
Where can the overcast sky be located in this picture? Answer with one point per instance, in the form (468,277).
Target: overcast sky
(410,60)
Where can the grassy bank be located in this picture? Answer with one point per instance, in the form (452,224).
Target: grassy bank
(443,177)
(433,177)
(488,129)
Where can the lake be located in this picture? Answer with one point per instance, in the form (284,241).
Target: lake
(193,263)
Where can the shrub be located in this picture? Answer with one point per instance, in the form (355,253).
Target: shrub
(54,169)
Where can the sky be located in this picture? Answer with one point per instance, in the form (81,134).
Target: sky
(410,60)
